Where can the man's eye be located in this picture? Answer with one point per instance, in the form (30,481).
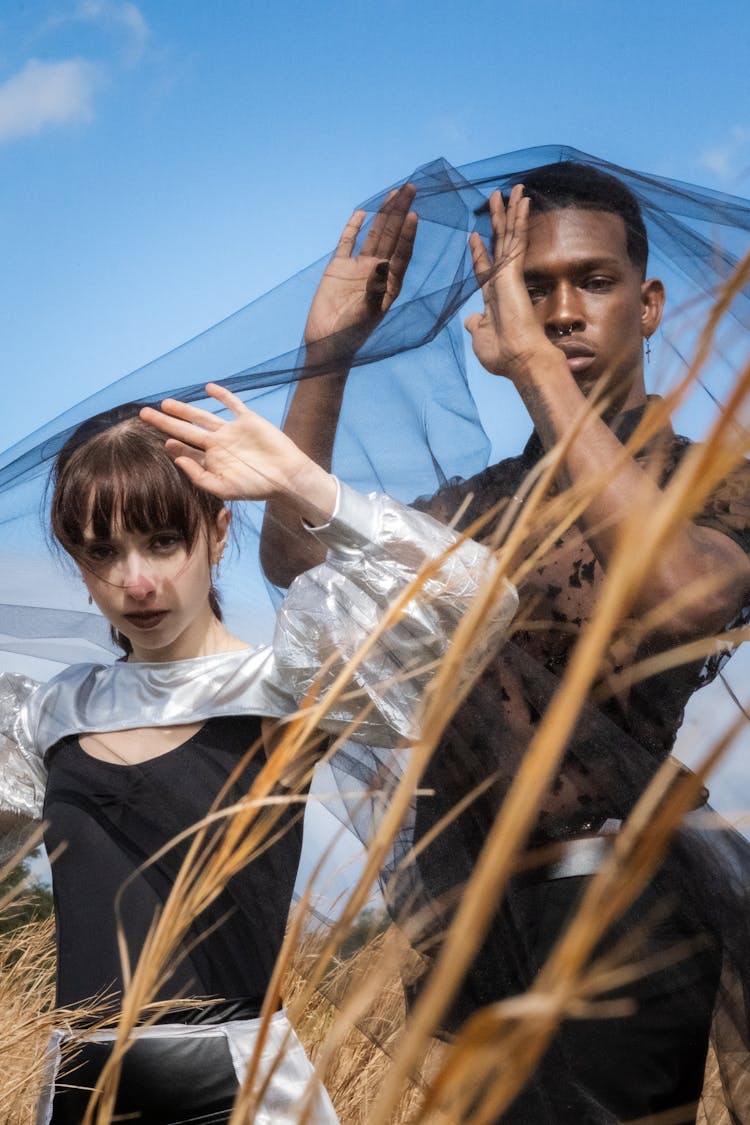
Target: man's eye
(599,284)
(536,293)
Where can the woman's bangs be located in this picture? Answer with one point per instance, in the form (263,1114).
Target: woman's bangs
(141,490)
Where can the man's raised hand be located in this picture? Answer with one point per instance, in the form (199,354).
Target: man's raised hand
(507,336)
(357,290)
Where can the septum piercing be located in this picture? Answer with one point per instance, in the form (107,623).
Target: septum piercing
(565,331)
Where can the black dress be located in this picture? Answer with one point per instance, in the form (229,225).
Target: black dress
(108,820)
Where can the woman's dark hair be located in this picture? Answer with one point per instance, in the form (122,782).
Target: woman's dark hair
(554,187)
(114,469)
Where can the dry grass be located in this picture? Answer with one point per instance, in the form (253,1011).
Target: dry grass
(408,1076)
(27,970)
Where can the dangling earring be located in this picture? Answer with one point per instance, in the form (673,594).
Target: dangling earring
(648,350)
(91,599)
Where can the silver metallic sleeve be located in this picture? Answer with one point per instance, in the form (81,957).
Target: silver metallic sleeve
(376,546)
(22,773)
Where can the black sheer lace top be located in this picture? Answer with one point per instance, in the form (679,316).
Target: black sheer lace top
(620,740)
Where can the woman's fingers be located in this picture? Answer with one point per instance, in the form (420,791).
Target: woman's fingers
(177,449)
(191,424)
(174,427)
(226,398)
(173,408)
(193,470)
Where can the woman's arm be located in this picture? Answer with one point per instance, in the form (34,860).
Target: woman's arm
(376,548)
(23,776)
(245,458)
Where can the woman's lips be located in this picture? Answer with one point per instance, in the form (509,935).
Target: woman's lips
(147,619)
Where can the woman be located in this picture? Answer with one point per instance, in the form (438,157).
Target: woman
(140,751)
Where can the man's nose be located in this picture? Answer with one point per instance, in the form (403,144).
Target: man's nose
(564,313)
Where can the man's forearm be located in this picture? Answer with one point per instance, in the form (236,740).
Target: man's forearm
(557,405)
(286,550)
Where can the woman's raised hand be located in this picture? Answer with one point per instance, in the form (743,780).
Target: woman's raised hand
(243,458)
(357,290)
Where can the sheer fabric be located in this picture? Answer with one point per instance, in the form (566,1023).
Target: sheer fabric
(420,428)
(409,425)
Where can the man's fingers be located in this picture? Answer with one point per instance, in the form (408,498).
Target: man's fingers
(403,251)
(382,237)
(480,259)
(349,234)
(514,225)
(377,285)
(472,323)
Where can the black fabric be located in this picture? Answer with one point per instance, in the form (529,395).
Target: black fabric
(597,1071)
(165,1081)
(620,739)
(112,819)
(631,1066)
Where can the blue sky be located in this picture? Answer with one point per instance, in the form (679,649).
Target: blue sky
(163,163)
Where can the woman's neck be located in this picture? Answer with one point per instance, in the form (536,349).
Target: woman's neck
(204,637)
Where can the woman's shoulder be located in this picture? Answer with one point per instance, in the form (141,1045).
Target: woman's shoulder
(123,695)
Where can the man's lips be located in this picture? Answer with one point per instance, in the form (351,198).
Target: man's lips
(146,619)
(579,356)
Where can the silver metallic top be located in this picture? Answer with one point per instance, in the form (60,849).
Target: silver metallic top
(375,548)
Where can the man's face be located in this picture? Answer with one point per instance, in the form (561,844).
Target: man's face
(590,298)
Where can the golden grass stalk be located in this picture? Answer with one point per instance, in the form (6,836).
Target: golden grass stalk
(478,1075)
(642,537)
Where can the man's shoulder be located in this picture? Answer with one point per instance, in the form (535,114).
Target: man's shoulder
(479,493)
(727,506)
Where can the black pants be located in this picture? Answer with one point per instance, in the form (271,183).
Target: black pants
(163,1081)
(632,1066)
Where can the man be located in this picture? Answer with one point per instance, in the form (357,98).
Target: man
(568,308)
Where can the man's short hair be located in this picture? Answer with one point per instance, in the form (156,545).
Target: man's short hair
(553,187)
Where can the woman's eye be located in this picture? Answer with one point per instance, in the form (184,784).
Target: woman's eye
(167,541)
(100,552)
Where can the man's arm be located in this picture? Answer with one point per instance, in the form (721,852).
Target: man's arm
(509,341)
(355,293)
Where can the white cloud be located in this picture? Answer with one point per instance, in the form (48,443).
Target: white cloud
(119,15)
(449,130)
(728,160)
(44,94)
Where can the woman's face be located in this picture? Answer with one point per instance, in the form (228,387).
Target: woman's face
(152,589)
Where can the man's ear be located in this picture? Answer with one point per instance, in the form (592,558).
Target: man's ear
(652,305)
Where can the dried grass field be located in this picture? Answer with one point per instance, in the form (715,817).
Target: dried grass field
(381,1065)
